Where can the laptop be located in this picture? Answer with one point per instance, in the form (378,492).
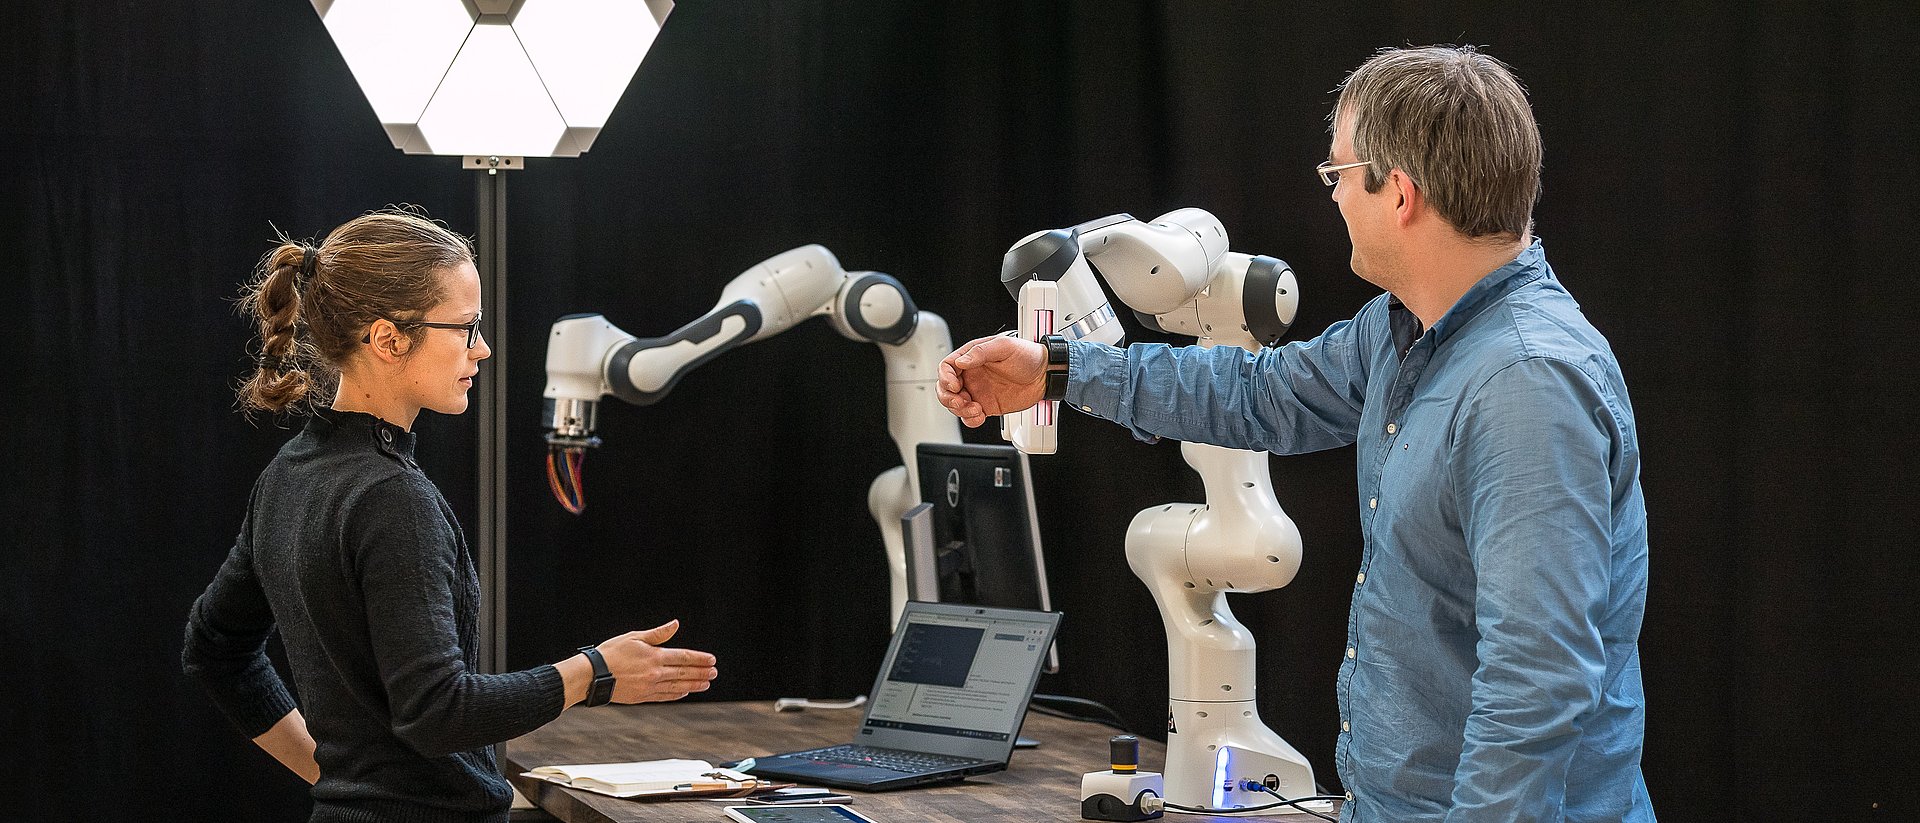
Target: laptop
(948,702)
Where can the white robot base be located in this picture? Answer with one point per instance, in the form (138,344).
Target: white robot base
(1212,747)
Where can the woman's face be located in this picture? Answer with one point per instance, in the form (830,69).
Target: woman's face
(439,370)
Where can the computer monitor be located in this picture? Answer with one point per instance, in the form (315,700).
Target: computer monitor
(975,539)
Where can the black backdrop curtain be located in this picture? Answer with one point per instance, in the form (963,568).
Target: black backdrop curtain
(1727,192)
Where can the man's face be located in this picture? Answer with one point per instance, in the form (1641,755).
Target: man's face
(1366,215)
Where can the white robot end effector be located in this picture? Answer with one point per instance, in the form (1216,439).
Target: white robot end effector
(1178,276)
(1056,256)
(1175,273)
(1048,276)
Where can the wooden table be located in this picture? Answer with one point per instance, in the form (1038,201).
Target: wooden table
(1042,784)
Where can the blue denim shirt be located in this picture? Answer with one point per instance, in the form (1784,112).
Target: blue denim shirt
(1491,670)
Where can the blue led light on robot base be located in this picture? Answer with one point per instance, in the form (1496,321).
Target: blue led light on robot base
(1221,759)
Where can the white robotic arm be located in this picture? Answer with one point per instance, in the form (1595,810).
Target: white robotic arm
(1178,276)
(589,358)
(1175,273)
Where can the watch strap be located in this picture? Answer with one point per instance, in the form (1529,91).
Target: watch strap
(600,691)
(1058,361)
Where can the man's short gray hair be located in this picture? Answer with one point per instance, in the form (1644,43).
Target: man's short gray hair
(1457,122)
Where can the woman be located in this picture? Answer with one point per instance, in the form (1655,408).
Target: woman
(352,554)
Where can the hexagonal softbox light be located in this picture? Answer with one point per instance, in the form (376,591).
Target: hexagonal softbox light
(529,78)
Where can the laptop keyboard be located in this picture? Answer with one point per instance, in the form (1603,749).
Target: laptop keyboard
(894,759)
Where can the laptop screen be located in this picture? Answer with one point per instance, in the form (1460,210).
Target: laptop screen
(957,679)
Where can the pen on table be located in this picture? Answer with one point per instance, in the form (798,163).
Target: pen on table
(694,787)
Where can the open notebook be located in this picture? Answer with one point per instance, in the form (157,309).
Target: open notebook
(649,778)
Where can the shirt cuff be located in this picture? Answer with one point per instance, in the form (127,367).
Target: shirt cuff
(1097,378)
(1092,370)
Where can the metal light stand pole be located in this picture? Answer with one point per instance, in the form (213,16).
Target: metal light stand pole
(490,549)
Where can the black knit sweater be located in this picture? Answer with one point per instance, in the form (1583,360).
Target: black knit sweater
(351,552)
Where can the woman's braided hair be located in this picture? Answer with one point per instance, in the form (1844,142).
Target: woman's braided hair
(314,304)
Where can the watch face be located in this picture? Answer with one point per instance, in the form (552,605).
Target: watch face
(601,692)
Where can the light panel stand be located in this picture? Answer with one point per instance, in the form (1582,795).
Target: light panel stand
(490,549)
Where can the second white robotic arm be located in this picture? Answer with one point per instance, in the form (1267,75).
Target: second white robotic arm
(589,358)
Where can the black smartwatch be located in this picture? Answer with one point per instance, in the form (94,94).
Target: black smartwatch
(1057,360)
(600,692)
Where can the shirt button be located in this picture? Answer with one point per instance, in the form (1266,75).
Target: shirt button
(1362,578)
(1349,797)
(1373,502)
(1392,427)
(386,436)
(1350,652)
(1345,727)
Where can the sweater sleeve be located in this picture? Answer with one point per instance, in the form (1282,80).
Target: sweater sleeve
(226,644)
(409,567)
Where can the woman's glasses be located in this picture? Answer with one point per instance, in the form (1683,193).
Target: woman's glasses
(472,329)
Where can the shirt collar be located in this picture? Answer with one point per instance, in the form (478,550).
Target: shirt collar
(390,439)
(1531,265)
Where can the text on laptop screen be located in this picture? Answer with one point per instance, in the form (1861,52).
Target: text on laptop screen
(959,675)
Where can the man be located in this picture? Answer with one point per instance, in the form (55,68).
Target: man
(1491,670)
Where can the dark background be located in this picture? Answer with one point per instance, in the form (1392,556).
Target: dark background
(1728,190)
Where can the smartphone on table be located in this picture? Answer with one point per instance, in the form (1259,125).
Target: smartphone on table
(796,814)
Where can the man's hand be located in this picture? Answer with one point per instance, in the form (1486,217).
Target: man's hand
(643,672)
(993,376)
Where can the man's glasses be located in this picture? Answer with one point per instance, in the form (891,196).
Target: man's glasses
(1330,173)
(472,329)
